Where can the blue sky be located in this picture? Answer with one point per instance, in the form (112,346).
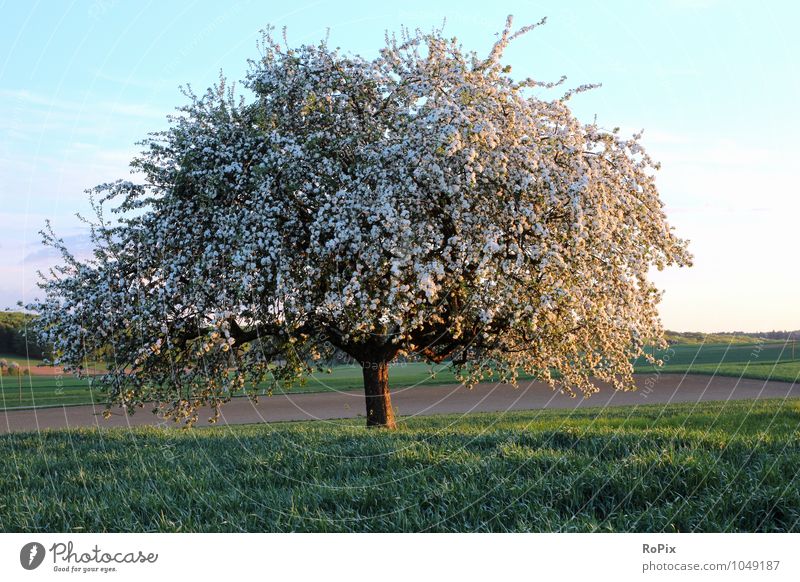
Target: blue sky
(714,85)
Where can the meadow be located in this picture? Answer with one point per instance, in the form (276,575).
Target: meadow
(767,361)
(720,467)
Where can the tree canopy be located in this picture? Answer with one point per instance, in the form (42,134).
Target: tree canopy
(423,203)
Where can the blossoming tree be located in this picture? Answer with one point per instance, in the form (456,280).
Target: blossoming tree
(421,204)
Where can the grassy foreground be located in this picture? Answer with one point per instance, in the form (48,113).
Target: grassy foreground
(713,467)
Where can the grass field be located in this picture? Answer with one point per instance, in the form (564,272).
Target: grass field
(763,361)
(767,361)
(710,467)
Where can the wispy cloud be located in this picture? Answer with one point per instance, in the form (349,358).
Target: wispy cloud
(138,110)
(79,245)
(130,81)
(696,4)
(24,100)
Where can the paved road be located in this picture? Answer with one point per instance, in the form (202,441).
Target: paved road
(421,400)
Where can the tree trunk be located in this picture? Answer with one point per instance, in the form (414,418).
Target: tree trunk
(376,390)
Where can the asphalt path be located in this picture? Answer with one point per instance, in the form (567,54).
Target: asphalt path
(416,401)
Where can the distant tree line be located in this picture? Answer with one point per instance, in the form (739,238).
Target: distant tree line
(13,337)
(693,337)
(772,335)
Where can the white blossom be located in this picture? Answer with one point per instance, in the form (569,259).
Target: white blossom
(423,202)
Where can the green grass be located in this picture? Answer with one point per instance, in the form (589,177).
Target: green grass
(783,371)
(763,361)
(767,361)
(400,374)
(711,467)
(40,391)
(685,355)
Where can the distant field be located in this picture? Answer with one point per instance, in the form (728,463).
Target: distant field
(718,467)
(38,391)
(694,338)
(764,361)
(693,354)
(768,361)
